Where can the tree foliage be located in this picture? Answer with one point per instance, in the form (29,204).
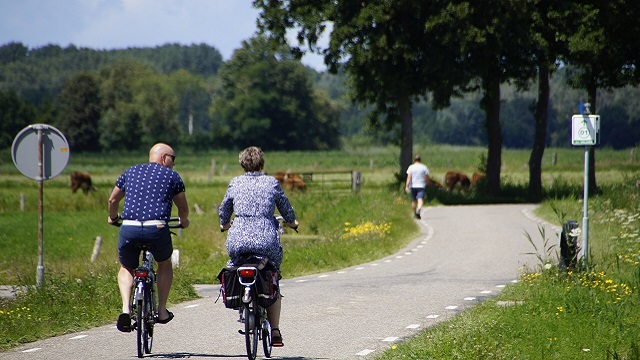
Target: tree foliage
(267,99)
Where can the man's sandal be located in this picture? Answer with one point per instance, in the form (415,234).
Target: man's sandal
(124,323)
(276,341)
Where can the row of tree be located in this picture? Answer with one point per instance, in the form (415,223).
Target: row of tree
(395,53)
(259,97)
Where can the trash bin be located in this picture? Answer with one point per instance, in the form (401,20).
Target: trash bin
(568,246)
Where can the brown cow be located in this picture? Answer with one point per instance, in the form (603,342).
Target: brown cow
(476,177)
(431,182)
(81,180)
(290,181)
(452,178)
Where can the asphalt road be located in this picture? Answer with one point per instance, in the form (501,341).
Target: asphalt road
(464,255)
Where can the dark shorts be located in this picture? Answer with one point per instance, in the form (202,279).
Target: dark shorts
(158,238)
(417,193)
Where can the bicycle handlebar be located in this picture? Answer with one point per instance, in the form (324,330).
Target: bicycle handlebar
(174,226)
(279,218)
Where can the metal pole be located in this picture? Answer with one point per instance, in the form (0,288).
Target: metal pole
(40,269)
(585,210)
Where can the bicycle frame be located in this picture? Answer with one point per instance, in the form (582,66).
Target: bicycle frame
(253,315)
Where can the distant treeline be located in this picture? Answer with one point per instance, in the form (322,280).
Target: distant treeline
(126,98)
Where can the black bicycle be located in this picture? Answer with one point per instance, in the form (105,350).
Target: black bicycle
(258,279)
(143,299)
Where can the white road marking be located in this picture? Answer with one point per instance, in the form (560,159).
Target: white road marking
(359,268)
(341,272)
(374,264)
(323,276)
(31,350)
(191,306)
(451,307)
(412,326)
(387,261)
(470,298)
(432,316)
(486,292)
(390,339)
(78,337)
(399,257)
(501,286)
(365,352)
(301,280)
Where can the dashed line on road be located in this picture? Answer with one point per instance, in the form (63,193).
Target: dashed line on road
(470,298)
(191,306)
(78,337)
(451,307)
(486,292)
(412,326)
(31,350)
(390,339)
(434,316)
(364,352)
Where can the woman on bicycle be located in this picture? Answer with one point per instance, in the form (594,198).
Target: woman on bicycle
(253,197)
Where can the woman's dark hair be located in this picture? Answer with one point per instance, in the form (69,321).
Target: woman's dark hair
(251,159)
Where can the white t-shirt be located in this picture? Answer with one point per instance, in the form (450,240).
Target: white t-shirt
(417,171)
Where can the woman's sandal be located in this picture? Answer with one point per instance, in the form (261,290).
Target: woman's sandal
(169,318)
(276,341)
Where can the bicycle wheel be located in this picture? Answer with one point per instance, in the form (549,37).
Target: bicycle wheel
(265,333)
(251,322)
(148,320)
(140,327)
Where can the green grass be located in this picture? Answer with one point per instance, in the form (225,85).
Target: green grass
(552,314)
(338,229)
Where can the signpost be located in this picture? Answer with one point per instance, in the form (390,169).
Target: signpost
(40,152)
(585,131)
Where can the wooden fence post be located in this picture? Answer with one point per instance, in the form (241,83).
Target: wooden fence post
(96,248)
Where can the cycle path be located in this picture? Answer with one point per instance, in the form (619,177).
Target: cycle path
(465,254)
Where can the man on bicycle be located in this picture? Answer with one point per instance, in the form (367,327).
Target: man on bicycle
(148,189)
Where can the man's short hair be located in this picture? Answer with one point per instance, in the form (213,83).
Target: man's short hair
(416,158)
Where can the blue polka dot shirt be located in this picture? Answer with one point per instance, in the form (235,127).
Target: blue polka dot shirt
(149,190)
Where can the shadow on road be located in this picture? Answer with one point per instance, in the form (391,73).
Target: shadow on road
(187,355)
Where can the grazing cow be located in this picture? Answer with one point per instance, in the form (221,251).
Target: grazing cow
(81,180)
(476,178)
(452,178)
(290,181)
(431,182)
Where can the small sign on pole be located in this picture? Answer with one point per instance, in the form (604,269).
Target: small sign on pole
(40,152)
(585,131)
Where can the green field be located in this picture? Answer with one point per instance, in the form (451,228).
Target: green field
(72,222)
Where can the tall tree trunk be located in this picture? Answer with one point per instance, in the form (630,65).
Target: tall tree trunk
(593,188)
(406,141)
(541,114)
(491,105)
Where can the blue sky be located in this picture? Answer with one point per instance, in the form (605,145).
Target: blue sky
(117,24)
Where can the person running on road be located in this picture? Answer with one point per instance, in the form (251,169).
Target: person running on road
(417,179)
(148,189)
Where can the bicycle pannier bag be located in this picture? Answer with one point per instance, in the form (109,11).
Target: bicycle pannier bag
(230,288)
(267,287)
